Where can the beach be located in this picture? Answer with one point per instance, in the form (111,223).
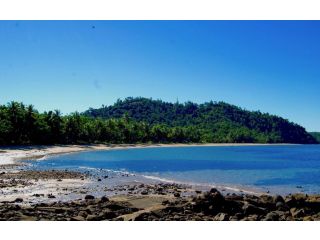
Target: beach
(10,155)
(28,194)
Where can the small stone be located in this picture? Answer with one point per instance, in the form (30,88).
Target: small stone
(18,200)
(221,217)
(176,194)
(78,218)
(89,197)
(104,199)
(51,196)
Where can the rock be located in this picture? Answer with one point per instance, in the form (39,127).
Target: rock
(308,218)
(83,214)
(221,217)
(91,218)
(144,192)
(18,200)
(104,199)
(51,196)
(278,198)
(213,190)
(291,202)
(250,209)
(233,218)
(271,216)
(297,213)
(253,217)
(165,202)
(107,214)
(176,195)
(280,206)
(78,218)
(89,197)
(99,180)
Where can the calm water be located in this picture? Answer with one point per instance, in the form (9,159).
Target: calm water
(278,169)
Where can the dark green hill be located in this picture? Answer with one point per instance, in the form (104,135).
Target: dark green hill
(217,121)
(316,135)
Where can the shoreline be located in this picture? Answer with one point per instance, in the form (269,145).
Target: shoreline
(30,194)
(12,155)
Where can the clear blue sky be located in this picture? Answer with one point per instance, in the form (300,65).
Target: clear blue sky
(272,66)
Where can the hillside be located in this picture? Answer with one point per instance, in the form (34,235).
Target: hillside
(217,121)
(316,135)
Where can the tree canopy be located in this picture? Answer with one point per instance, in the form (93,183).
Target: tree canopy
(217,121)
(142,120)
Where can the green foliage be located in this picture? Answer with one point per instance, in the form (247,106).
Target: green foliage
(141,120)
(316,135)
(211,121)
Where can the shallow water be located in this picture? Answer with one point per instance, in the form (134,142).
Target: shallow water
(278,169)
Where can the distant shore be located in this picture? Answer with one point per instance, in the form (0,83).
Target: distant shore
(10,155)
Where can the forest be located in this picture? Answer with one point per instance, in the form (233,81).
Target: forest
(316,135)
(143,120)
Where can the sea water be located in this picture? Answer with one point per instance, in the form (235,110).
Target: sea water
(269,168)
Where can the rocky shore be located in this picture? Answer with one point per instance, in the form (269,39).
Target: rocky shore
(168,205)
(61,195)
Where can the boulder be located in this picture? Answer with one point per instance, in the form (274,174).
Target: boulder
(278,198)
(104,199)
(297,213)
(250,209)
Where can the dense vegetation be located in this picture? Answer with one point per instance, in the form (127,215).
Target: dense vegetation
(214,121)
(144,120)
(316,135)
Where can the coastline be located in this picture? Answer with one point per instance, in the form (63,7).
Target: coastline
(65,195)
(10,158)
(11,155)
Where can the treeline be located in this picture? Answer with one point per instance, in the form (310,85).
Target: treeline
(20,124)
(316,135)
(217,121)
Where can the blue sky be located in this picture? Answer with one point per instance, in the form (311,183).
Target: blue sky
(272,66)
